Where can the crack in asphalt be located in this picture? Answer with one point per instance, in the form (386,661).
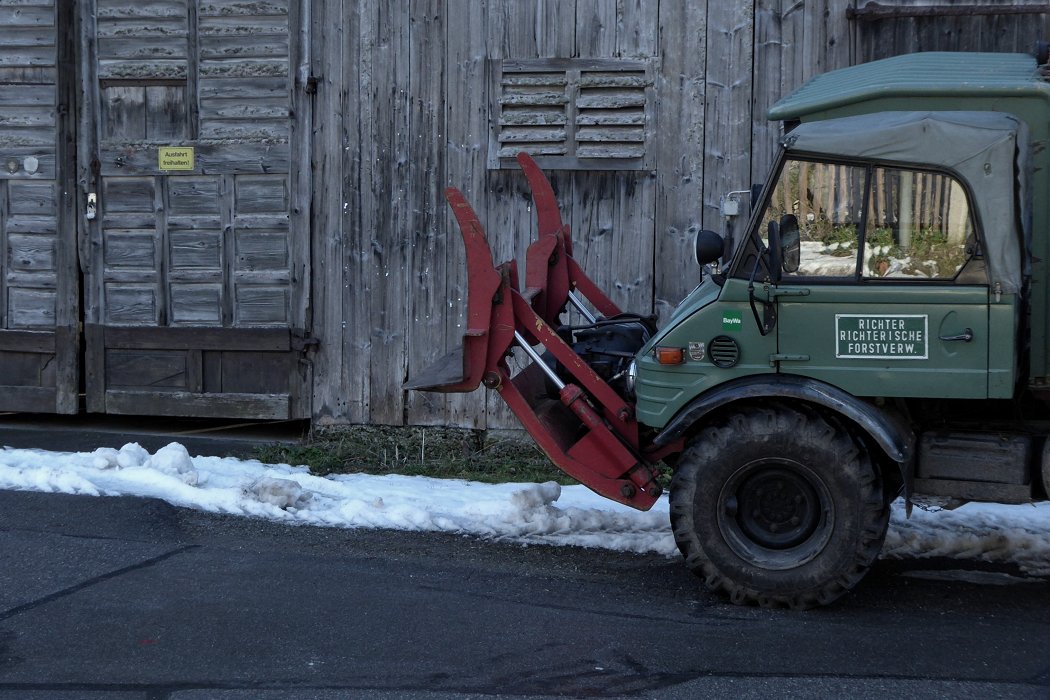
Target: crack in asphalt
(73,536)
(563,607)
(70,590)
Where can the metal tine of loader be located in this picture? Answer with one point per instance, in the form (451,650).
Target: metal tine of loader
(552,275)
(463,368)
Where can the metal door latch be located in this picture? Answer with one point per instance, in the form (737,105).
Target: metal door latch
(92,207)
(966,336)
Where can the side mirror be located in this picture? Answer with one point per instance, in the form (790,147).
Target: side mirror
(709,247)
(774,249)
(790,243)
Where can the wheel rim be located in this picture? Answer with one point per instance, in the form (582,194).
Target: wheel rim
(776,513)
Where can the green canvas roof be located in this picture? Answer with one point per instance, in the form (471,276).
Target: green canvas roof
(929,74)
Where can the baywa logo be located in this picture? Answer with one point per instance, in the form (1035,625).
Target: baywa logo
(732,320)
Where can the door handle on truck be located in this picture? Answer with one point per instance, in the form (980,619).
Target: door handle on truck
(788,292)
(965,336)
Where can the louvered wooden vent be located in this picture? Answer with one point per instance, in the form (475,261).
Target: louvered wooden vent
(573,114)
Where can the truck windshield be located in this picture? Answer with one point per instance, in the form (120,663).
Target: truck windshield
(848,221)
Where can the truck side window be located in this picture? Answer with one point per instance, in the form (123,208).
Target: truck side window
(918,225)
(827,200)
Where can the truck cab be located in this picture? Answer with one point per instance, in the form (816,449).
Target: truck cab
(887,258)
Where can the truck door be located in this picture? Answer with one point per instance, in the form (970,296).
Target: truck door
(883,291)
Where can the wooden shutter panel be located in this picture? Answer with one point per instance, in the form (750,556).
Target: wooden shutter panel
(533,113)
(573,114)
(611,114)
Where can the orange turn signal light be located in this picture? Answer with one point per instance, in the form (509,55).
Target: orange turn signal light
(670,356)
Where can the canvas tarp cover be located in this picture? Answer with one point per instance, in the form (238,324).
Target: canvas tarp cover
(987,150)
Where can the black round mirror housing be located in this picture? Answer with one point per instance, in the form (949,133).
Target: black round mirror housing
(709,247)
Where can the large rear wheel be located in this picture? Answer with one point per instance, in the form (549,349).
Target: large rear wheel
(778,506)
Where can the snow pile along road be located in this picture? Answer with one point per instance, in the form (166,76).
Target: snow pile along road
(526,513)
(518,512)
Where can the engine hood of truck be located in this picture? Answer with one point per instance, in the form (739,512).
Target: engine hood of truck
(989,151)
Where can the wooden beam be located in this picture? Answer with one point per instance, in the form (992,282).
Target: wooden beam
(874,11)
(244,339)
(182,403)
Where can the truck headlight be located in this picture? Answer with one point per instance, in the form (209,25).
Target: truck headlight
(630,379)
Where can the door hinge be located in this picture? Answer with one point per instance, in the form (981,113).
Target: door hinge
(786,357)
(304,343)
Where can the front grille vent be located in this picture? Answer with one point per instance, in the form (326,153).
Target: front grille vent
(724,352)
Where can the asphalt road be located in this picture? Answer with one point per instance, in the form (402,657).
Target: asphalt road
(122,598)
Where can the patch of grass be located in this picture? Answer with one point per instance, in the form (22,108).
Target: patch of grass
(448,453)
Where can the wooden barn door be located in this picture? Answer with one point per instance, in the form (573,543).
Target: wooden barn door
(38,271)
(193,247)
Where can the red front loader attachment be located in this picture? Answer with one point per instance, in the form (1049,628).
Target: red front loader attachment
(589,430)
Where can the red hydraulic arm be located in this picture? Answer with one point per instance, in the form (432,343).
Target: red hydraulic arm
(589,431)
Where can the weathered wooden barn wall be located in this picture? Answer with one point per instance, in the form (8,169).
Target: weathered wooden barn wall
(406,103)
(305,263)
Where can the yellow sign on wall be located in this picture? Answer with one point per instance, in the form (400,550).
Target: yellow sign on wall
(175,158)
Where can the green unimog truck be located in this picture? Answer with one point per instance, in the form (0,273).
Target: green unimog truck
(879,330)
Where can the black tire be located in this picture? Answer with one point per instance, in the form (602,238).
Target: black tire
(778,506)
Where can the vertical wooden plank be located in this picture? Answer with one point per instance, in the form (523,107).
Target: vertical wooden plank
(3,253)
(163,299)
(193,69)
(874,40)
(637,37)
(596,33)
(89,242)
(165,113)
(386,207)
(555,28)
(681,123)
(636,30)
(88,232)
(779,42)
(512,29)
(301,102)
(592,213)
(728,118)
(124,112)
(95,368)
(195,371)
(426,88)
(356,218)
(226,208)
(467,135)
(334,34)
(829,43)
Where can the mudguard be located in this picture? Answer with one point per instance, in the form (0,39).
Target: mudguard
(885,428)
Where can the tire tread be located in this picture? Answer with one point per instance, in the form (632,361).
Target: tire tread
(759,420)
